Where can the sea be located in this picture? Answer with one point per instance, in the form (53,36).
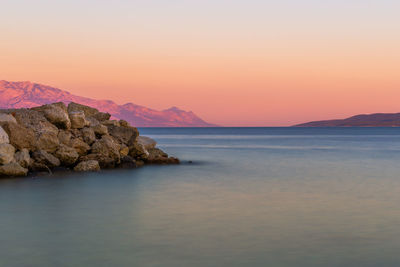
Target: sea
(240,197)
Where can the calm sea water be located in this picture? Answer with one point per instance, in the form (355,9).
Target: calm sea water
(251,197)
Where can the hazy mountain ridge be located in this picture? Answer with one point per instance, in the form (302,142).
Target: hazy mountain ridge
(28,94)
(363,120)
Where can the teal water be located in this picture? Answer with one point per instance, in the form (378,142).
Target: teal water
(251,197)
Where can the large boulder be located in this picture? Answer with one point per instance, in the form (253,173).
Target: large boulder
(108,148)
(4,136)
(80,146)
(88,111)
(67,155)
(64,137)
(88,135)
(87,166)
(23,158)
(7,152)
(35,120)
(124,135)
(78,119)
(45,133)
(13,169)
(101,116)
(56,113)
(100,130)
(20,137)
(42,157)
(138,151)
(147,142)
(47,141)
(7,117)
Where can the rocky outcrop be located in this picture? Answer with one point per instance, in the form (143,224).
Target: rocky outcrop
(75,137)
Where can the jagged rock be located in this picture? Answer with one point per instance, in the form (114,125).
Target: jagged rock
(88,135)
(7,117)
(47,141)
(138,151)
(100,130)
(64,137)
(13,169)
(23,158)
(147,142)
(88,111)
(56,113)
(35,120)
(81,147)
(78,119)
(20,137)
(124,135)
(111,123)
(101,116)
(87,166)
(4,136)
(42,157)
(7,152)
(67,155)
(108,147)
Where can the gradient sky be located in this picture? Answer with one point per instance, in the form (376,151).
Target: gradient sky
(234,63)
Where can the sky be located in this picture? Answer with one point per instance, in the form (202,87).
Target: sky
(233,63)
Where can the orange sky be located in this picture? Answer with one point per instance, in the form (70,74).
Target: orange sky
(234,63)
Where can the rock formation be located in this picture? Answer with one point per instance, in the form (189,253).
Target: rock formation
(75,137)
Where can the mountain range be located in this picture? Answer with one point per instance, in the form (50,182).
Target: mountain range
(364,120)
(27,94)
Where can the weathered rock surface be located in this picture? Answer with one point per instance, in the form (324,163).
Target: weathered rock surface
(67,155)
(7,152)
(78,119)
(7,117)
(87,166)
(23,158)
(20,136)
(4,136)
(56,114)
(147,142)
(42,157)
(76,137)
(13,169)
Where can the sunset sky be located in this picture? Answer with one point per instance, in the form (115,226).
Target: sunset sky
(234,63)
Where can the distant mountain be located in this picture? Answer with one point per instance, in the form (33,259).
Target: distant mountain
(365,120)
(27,94)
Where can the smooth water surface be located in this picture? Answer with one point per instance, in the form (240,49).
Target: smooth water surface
(251,197)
